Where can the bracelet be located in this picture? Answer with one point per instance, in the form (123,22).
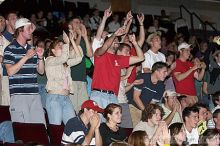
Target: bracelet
(166,144)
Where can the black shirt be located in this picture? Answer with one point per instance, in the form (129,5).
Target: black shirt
(109,136)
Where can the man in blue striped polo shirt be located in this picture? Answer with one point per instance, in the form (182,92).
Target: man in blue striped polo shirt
(22,63)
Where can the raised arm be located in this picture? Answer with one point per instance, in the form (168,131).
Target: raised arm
(140,55)
(65,53)
(127,24)
(75,53)
(86,39)
(109,42)
(101,27)
(141,30)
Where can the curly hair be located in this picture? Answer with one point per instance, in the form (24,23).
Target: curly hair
(149,110)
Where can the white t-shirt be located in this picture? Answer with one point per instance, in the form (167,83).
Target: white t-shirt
(151,58)
(3,44)
(193,136)
(95,45)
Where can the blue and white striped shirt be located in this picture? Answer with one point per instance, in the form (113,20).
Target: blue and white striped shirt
(23,82)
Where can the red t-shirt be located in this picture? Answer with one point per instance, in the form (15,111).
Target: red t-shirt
(132,77)
(107,71)
(187,85)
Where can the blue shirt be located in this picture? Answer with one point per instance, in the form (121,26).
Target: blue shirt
(75,132)
(150,91)
(23,82)
(8,35)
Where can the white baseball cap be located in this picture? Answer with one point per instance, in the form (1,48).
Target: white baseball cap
(184,45)
(22,22)
(169,93)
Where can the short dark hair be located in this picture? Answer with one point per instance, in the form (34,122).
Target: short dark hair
(181,97)
(158,65)
(208,134)
(201,105)
(215,97)
(188,110)
(215,113)
(149,110)
(72,18)
(122,45)
(109,110)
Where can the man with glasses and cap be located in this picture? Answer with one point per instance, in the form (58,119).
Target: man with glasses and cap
(22,63)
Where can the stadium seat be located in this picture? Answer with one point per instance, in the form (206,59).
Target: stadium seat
(5,114)
(55,132)
(30,133)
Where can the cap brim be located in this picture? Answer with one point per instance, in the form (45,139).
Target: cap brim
(98,109)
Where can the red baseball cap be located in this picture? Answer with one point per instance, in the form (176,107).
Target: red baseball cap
(90,104)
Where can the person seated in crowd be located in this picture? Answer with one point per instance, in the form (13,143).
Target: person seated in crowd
(182,101)
(150,120)
(203,112)
(59,85)
(210,137)
(216,119)
(119,143)
(178,134)
(216,102)
(110,131)
(190,117)
(84,128)
(171,107)
(139,138)
(185,73)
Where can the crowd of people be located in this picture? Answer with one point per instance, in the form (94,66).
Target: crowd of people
(105,74)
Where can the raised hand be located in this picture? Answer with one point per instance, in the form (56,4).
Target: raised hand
(40,52)
(132,38)
(83,30)
(66,38)
(107,13)
(129,16)
(203,65)
(30,53)
(120,31)
(78,31)
(140,18)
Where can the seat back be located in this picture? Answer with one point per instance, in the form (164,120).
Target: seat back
(30,133)
(5,114)
(55,132)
